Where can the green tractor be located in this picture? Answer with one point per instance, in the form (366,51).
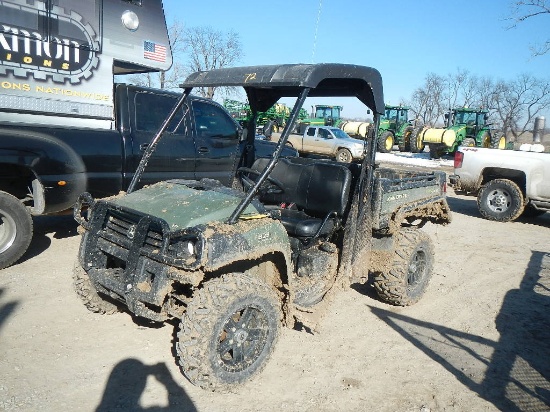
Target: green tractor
(465,127)
(321,115)
(395,128)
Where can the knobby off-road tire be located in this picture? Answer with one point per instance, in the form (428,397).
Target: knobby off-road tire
(468,142)
(88,294)
(417,144)
(500,200)
(405,140)
(385,142)
(344,156)
(15,229)
(407,279)
(228,331)
(498,142)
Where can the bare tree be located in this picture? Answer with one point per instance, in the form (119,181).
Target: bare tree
(427,102)
(209,49)
(526,9)
(517,103)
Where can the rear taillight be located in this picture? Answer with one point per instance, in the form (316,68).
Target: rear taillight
(459,157)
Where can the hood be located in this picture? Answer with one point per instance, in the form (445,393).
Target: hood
(181,206)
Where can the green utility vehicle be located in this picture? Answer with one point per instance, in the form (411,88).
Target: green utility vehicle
(234,264)
(465,127)
(395,128)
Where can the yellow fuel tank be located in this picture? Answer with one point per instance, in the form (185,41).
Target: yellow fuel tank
(446,136)
(355,128)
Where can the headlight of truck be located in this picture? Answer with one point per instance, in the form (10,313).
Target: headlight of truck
(183,248)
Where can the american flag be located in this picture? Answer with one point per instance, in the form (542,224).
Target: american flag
(153,51)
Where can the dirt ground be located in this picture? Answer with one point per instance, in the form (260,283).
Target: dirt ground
(479,340)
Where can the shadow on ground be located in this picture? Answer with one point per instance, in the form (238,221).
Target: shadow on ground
(512,373)
(60,227)
(127,384)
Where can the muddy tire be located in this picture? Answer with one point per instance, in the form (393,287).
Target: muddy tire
(404,144)
(468,142)
(407,279)
(228,331)
(88,294)
(15,229)
(500,200)
(385,142)
(344,156)
(416,142)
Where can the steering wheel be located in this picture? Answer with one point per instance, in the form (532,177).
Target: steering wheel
(268,186)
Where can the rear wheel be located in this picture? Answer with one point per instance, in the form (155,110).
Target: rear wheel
(228,331)
(15,229)
(417,144)
(385,142)
(344,156)
(498,142)
(405,140)
(411,269)
(500,200)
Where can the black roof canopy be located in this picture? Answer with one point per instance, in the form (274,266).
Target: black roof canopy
(265,85)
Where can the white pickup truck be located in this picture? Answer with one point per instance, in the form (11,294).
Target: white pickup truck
(328,141)
(508,183)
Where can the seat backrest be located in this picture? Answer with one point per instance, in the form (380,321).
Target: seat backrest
(317,187)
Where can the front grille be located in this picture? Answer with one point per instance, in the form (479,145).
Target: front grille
(121,227)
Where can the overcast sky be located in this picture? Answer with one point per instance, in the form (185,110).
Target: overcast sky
(404,40)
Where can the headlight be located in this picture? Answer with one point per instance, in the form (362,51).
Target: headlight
(183,248)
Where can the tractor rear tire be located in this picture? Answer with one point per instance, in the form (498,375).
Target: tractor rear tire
(15,229)
(486,140)
(500,200)
(229,331)
(468,142)
(411,269)
(416,142)
(498,142)
(405,139)
(385,142)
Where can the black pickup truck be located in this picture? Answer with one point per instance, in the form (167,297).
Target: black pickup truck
(44,168)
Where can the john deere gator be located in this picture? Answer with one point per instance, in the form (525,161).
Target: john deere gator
(465,127)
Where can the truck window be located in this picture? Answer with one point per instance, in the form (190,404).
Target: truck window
(213,121)
(324,133)
(152,109)
(311,131)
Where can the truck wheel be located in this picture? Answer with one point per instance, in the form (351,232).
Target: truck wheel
(385,142)
(228,331)
(344,156)
(411,269)
(405,140)
(417,144)
(468,142)
(15,229)
(498,142)
(87,292)
(500,200)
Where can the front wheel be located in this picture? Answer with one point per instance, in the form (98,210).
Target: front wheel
(406,280)
(15,229)
(468,142)
(86,291)
(344,156)
(228,331)
(500,200)
(385,142)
